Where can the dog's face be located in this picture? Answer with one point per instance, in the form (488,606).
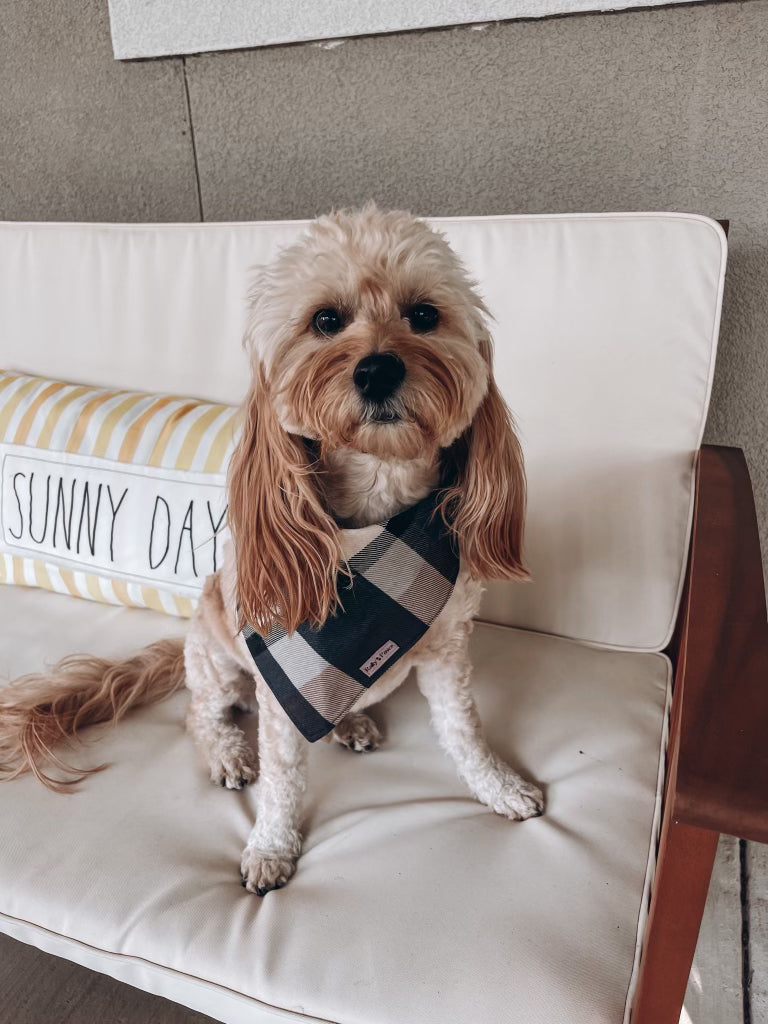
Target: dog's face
(370,335)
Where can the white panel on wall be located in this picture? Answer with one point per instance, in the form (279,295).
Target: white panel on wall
(166,27)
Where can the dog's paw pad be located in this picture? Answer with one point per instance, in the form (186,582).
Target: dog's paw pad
(261,874)
(519,800)
(234,770)
(235,782)
(359,733)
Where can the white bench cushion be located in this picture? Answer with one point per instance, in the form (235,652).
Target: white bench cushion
(605,340)
(411,902)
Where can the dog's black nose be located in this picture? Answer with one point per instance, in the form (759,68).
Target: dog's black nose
(377,376)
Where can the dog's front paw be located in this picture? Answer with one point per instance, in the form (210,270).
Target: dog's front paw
(233,766)
(358,732)
(516,799)
(262,872)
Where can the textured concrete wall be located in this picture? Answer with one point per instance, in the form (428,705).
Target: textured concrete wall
(659,109)
(83,137)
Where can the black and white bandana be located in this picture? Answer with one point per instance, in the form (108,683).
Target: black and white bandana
(403,572)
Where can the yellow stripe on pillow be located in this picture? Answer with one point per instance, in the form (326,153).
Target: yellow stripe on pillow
(111,495)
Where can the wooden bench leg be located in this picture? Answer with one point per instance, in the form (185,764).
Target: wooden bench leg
(683,872)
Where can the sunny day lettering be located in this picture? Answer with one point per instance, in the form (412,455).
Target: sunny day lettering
(34,508)
(147,524)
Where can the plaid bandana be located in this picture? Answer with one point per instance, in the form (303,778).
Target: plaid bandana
(403,572)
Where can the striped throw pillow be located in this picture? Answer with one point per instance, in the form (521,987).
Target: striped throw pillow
(110,495)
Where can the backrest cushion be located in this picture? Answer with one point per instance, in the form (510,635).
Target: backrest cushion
(606,328)
(112,495)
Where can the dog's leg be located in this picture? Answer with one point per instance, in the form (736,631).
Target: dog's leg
(274,845)
(217,685)
(445,684)
(358,731)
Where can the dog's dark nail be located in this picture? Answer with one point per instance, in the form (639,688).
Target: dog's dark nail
(244,881)
(243,782)
(368,746)
(223,783)
(261,891)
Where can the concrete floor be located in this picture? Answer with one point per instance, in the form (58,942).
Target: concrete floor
(719,989)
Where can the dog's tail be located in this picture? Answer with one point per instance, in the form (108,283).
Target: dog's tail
(39,711)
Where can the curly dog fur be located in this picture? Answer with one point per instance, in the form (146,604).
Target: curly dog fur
(323,448)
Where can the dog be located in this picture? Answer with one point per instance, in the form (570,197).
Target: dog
(371,388)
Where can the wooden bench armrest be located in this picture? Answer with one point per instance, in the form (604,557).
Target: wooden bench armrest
(720,709)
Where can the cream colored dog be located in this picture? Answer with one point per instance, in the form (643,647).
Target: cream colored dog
(371,387)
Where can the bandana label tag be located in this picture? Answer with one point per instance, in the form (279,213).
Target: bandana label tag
(378,658)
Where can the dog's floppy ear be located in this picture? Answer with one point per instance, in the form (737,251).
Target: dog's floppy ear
(286,546)
(484,502)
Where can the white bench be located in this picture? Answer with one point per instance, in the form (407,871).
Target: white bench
(411,902)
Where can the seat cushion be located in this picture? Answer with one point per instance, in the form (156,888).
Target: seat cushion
(411,902)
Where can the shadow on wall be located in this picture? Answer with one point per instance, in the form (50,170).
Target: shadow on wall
(738,412)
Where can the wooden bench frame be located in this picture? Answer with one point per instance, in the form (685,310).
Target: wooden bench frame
(717,760)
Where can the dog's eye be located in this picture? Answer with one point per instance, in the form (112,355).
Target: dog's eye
(422,317)
(327,321)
